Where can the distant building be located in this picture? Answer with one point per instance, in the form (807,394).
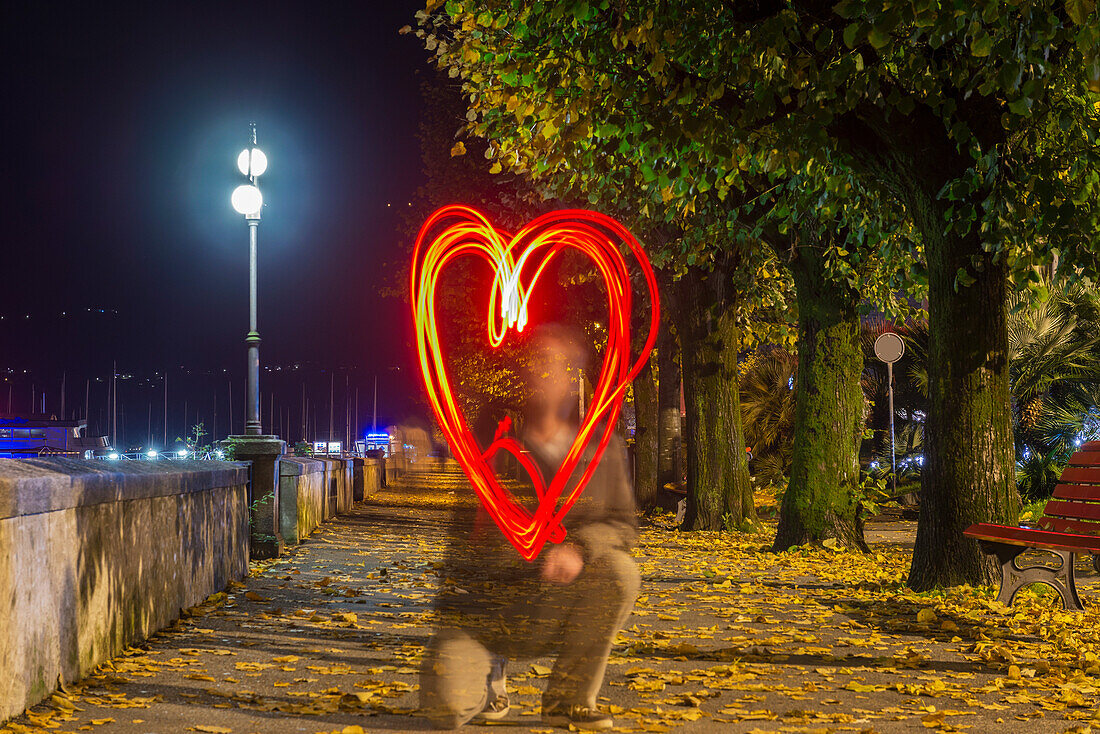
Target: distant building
(29,436)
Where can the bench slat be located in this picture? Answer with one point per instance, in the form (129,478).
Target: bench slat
(1073,510)
(1077,492)
(1033,538)
(1081,475)
(1074,527)
(1085,458)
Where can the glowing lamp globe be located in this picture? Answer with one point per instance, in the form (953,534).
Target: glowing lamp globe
(252,162)
(247,199)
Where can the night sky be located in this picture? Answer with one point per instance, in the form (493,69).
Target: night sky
(121,128)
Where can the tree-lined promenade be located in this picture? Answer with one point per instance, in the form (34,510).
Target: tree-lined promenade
(726,636)
(792,168)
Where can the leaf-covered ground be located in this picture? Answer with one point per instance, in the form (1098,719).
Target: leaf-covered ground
(726,636)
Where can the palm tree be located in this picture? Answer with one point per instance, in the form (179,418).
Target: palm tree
(1054,352)
(767,412)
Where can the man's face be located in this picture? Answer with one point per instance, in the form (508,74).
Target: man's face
(552,378)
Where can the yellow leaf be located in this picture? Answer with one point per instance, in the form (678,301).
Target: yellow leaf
(253,596)
(926,615)
(210,729)
(458,149)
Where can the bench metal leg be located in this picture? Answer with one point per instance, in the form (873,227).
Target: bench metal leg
(1014,578)
(681,511)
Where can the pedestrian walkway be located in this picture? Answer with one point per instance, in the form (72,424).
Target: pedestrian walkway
(725,637)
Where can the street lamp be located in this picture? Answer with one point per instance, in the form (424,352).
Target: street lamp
(262,452)
(248,200)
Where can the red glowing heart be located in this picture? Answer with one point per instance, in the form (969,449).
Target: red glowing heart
(517,261)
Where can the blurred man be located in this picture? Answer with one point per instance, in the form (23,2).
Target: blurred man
(569,602)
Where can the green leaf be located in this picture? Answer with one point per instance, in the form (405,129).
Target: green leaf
(1021,106)
(850,35)
(1079,10)
(981,45)
(878,38)
(847,9)
(963,279)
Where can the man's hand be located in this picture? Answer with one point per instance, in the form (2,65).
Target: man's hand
(561,564)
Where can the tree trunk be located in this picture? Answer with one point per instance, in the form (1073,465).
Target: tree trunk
(969,472)
(821,500)
(718,487)
(645,439)
(669,467)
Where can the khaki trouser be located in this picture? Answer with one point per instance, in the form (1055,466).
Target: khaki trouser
(577,622)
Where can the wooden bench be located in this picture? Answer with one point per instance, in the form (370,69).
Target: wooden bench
(1070,525)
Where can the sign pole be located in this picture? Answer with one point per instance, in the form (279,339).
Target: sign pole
(889,348)
(893,455)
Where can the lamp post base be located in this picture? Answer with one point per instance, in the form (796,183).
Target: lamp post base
(266,540)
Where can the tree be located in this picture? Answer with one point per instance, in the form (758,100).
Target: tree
(821,499)
(973,116)
(835,256)
(645,437)
(669,467)
(717,469)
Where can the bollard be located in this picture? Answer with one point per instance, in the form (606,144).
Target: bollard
(263,453)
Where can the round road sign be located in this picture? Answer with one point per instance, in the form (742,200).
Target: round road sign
(889,347)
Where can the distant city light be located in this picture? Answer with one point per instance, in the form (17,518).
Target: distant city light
(247,199)
(182,453)
(112,456)
(253,165)
(220,454)
(151,453)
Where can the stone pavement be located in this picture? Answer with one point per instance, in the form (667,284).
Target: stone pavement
(725,637)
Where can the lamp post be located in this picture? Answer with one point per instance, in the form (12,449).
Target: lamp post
(248,200)
(266,540)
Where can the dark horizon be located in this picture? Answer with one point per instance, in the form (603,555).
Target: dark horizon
(122,132)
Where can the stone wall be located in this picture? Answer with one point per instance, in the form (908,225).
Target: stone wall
(312,490)
(338,486)
(374,472)
(302,495)
(95,556)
